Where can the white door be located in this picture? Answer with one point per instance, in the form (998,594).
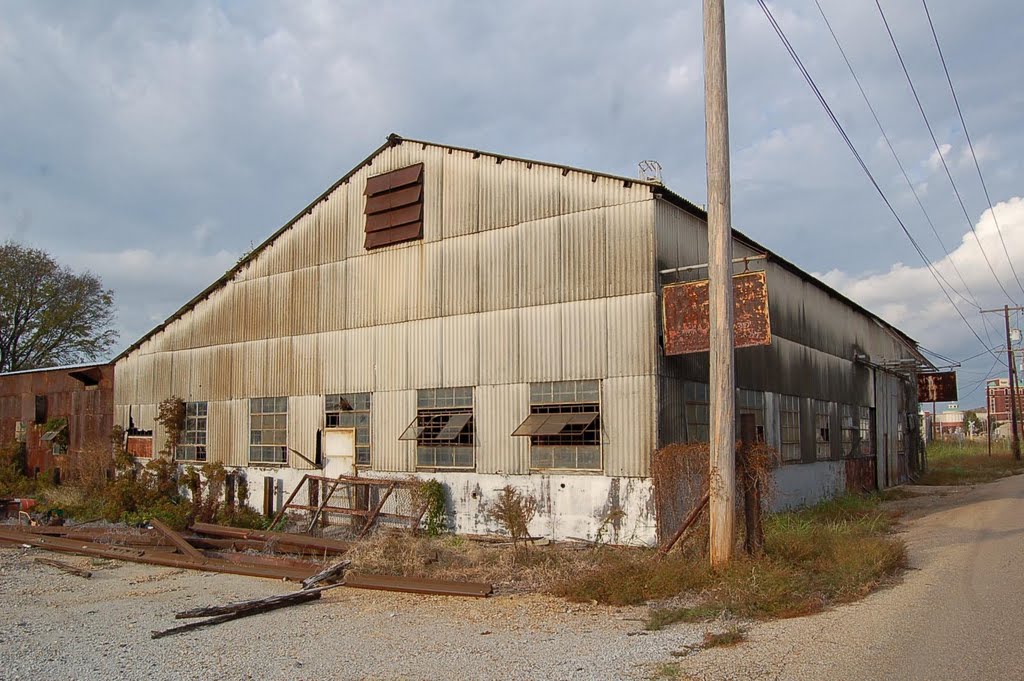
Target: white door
(339,452)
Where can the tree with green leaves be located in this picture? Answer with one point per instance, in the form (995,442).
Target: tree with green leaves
(50,315)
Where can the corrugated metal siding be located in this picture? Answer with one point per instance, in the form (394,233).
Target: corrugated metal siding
(671,411)
(632,335)
(540,193)
(540,343)
(584,339)
(501,277)
(630,248)
(460,351)
(424,352)
(461,280)
(332,361)
(305,417)
(280,306)
(629,419)
(277,372)
(392,413)
(360,359)
(306,240)
(497,411)
(391,358)
(181,373)
(499,193)
(239,452)
(305,301)
(499,347)
(361,277)
(218,432)
(460,210)
(540,262)
(334,296)
(247,363)
(306,372)
(584,255)
(126,380)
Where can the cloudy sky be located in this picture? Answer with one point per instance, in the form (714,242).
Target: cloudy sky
(155,142)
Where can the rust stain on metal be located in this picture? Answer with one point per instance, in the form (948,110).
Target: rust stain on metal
(685,314)
(937,387)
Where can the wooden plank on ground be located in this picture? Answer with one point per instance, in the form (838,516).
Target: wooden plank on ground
(77,571)
(419,585)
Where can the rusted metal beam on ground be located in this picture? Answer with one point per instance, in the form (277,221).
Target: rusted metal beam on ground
(162,559)
(77,571)
(178,541)
(321,543)
(419,585)
(233,544)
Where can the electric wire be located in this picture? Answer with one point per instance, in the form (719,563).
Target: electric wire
(842,132)
(938,150)
(899,163)
(970,143)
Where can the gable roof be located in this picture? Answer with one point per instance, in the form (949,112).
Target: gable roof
(659,190)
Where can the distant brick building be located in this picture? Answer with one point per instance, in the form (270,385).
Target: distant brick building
(998,399)
(53,411)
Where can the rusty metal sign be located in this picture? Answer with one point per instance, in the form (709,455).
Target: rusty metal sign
(685,314)
(938,387)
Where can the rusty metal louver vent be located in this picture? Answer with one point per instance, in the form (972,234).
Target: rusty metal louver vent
(394,207)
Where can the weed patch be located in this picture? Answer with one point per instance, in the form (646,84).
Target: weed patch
(953,464)
(732,636)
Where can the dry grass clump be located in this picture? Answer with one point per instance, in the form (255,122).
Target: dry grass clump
(732,636)
(953,464)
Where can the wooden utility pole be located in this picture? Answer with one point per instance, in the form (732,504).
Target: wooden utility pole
(988,415)
(722,507)
(1014,428)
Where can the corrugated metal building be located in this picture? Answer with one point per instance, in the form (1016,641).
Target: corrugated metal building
(488,320)
(52,411)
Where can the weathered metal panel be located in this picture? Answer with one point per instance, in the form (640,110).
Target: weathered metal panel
(461,278)
(335,296)
(460,351)
(686,317)
(392,413)
(584,339)
(460,208)
(247,363)
(126,376)
(497,411)
(354,202)
(219,385)
(306,371)
(332,350)
(630,248)
(424,351)
(540,193)
(671,411)
(279,253)
(361,346)
(500,277)
(540,262)
(632,335)
(499,192)
(276,377)
(306,241)
(391,357)
(201,373)
(361,290)
(239,452)
(145,416)
(331,219)
(584,264)
(145,378)
(245,309)
(305,418)
(218,432)
(629,421)
(222,315)
(937,387)
(279,306)
(163,367)
(181,373)
(398,275)
(540,343)
(499,347)
(305,303)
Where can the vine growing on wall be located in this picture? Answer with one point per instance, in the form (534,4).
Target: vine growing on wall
(435,520)
(171,417)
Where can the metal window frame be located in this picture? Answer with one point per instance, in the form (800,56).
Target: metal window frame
(354,400)
(281,460)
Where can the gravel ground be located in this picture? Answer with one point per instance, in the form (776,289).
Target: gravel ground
(59,626)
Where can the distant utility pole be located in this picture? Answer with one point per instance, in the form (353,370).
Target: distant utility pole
(722,507)
(1013,380)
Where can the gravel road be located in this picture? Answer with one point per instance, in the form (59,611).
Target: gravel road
(956,614)
(59,626)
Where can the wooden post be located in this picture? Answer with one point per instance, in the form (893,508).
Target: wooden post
(314,492)
(268,496)
(753,538)
(229,490)
(1013,386)
(722,386)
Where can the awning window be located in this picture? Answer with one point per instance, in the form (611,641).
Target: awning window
(437,427)
(554,424)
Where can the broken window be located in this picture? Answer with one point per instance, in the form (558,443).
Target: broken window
(193,438)
(698,412)
(268,430)
(851,433)
(750,402)
(443,428)
(40,409)
(564,426)
(351,410)
(900,440)
(865,431)
(57,438)
(789,421)
(822,430)
(394,207)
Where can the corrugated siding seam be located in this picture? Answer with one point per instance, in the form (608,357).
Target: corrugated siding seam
(304,419)
(392,411)
(629,418)
(498,410)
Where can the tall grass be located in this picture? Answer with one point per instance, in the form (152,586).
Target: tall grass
(952,463)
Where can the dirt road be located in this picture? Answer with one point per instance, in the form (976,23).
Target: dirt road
(957,614)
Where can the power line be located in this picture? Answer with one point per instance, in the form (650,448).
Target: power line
(970,144)
(938,150)
(842,132)
(895,156)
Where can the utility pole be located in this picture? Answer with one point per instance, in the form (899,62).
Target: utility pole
(1013,380)
(988,415)
(722,471)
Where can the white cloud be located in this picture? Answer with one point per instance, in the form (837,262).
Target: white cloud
(684,77)
(934,162)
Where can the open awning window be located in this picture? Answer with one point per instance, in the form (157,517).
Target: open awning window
(51,435)
(554,424)
(441,427)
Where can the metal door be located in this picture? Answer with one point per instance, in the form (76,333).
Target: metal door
(339,452)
